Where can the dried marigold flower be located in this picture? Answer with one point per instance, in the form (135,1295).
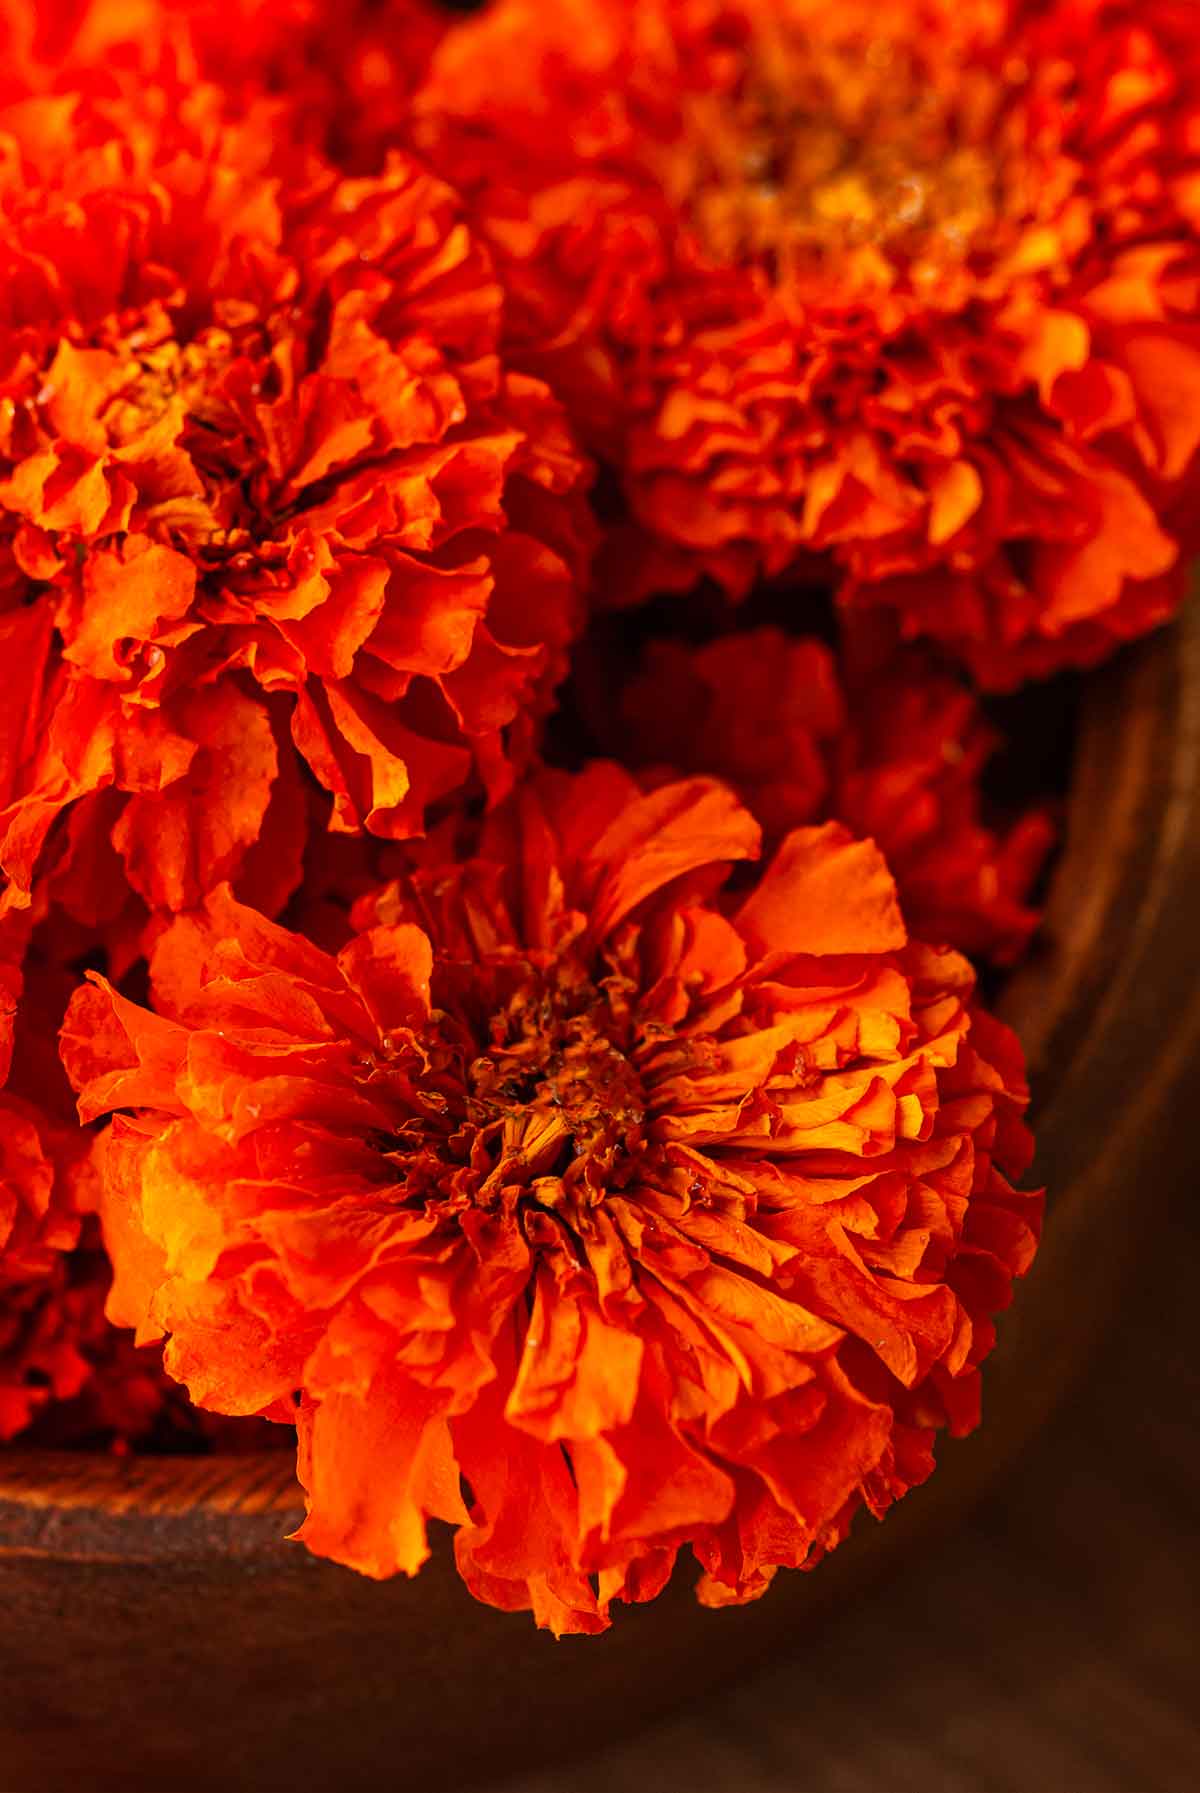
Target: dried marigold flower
(574,1203)
(49,1323)
(343,70)
(262,475)
(39,1223)
(915,287)
(68,1377)
(152,809)
(71,1380)
(893,749)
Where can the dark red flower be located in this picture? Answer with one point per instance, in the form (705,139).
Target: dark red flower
(894,748)
(39,1223)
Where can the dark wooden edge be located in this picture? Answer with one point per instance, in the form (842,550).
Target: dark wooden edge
(1110,1015)
(1130,845)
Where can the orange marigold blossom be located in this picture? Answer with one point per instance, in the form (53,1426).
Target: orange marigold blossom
(52,1284)
(915,287)
(575,1203)
(68,1377)
(39,1223)
(343,68)
(261,470)
(148,819)
(893,747)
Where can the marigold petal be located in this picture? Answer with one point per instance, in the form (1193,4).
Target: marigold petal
(824,893)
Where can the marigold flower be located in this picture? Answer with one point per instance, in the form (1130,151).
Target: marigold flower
(261,470)
(68,1377)
(39,1222)
(892,748)
(343,70)
(161,805)
(915,287)
(573,1203)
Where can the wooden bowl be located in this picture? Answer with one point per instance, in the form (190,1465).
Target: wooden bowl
(159,1633)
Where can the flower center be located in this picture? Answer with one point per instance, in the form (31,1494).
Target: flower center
(531,1082)
(849,151)
(177,415)
(565,1099)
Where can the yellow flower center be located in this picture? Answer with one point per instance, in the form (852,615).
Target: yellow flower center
(841,150)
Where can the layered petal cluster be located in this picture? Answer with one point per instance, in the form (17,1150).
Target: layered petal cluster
(68,1377)
(913,288)
(893,747)
(39,1222)
(343,70)
(576,1202)
(269,497)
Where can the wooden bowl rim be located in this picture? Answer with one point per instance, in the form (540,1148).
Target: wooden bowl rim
(1092,998)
